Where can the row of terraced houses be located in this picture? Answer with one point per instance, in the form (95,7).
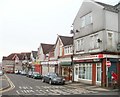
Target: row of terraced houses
(83,57)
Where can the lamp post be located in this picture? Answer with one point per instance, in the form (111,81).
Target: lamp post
(72,56)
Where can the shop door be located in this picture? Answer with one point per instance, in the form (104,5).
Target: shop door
(113,68)
(76,72)
(44,69)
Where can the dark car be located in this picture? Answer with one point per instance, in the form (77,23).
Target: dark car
(36,75)
(53,78)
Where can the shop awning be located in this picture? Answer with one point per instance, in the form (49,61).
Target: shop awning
(65,63)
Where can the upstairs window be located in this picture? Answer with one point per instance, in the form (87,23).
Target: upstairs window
(79,44)
(68,50)
(110,39)
(86,20)
(94,41)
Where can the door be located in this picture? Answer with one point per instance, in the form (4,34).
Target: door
(76,72)
(112,68)
(44,69)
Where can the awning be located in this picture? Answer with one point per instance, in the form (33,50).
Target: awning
(66,63)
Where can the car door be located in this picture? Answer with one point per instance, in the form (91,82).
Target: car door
(46,78)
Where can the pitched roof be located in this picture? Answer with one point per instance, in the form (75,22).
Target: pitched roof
(26,54)
(108,7)
(34,53)
(46,47)
(118,6)
(12,56)
(66,40)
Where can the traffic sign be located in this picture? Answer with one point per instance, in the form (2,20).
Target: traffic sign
(108,63)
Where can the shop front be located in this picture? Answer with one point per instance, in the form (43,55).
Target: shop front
(45,68)
(53,66)
(87,69)
(66,70)
(37,67)
(93,69)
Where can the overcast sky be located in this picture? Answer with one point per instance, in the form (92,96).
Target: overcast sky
(24,24)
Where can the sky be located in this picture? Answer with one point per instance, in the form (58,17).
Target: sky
(24,24)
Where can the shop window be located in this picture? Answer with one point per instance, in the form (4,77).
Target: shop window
(85,71)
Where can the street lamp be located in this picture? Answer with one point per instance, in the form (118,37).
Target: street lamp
(72,56)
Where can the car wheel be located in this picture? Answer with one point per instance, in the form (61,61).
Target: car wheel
(50,82)
(33,77)
(43,80)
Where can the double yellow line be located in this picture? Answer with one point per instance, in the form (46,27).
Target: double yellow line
(12,86)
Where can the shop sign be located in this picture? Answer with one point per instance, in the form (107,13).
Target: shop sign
(44,63)
(99,56)
(53,62)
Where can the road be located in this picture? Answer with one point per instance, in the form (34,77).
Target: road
(28,86)
(22,85)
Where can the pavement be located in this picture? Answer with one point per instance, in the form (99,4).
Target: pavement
(91,87)
(4,84)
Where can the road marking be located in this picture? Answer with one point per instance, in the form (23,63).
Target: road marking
(17,92)
(12,86)
(49,90)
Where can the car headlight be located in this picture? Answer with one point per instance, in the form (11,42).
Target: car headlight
(63,79)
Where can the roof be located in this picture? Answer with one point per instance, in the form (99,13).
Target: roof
(26,54)
(118,6)
(46,47)
(108,7)
(34,53)
(66,40)
(11,56)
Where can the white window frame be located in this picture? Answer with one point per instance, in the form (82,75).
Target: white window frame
(86,19)
(80,44)
(85,66)
(94,42)
(110,39)
(98,65)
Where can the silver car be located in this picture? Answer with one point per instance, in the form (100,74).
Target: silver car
(1,73)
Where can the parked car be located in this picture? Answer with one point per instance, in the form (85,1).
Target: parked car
(36,75)
(53,78)
(23,73)
(1,73)
(17,71)
(29,74)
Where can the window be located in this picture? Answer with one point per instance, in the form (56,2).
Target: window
(110,39)
(68,50)
(86,20)
(85,71)
(79,45)
(94,41)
